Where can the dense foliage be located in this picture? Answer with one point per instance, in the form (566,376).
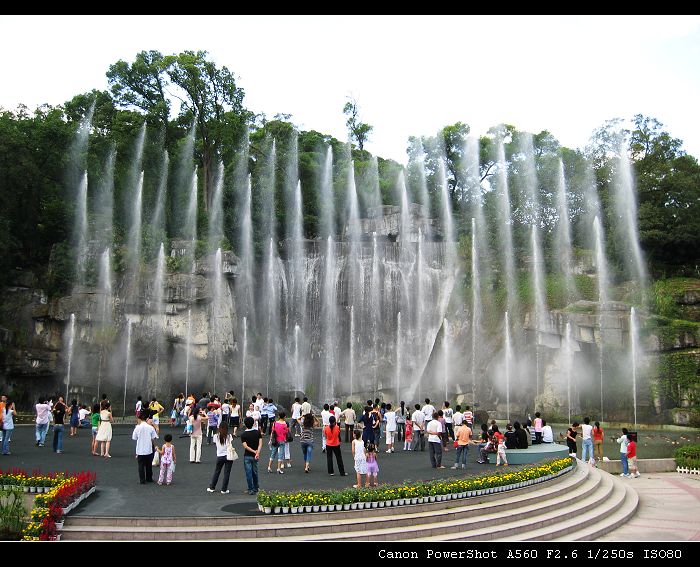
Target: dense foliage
(38,172)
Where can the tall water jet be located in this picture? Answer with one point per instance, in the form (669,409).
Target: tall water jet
(298,280)
(298,376)
(71,340)
(423,198)
(354,266)
(508,363)
(568,366)
(158,312)
(626,210)
(191,222)
(634,348)
(376,314)
(128,365)
(352,347)
(325,196)
(476,304)
(508,253)
(104,284)
(563,240)
(216,213)
(445,355)
(81,226)
(244,358)
(273,311)
(603,297)
(217,313)
(158,219)
(399,357)
(446,215)
(405,223)
(104,210)
(135,231)
(188,349)
(247,258)
(330,320)
(540,307)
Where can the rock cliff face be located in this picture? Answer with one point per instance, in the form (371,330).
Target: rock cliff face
(34,334)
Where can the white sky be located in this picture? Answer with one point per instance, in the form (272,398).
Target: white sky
(412,75)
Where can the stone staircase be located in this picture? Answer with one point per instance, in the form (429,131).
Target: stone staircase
(581,505)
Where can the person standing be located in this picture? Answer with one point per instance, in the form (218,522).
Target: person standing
(195,422)
(598,436)
(307,440)
(325,420)
(358,453)
(623,441)
(408,435)
(305,407)
(350,418)
(538,428)
(464,438)
(367,421)
(235,416)
(418,420)
(223,443)
(225,412)
(168,459)
(144,434)
(499,442)
(278,439)
(296,416)
(447,413)
(469,417)
(571,438)
(95,422)
(139,406)
(251,439)
(178,406)
(458,418)
(428,411)
(587,445)
(74,413)
(263,416)
(212,423)
(43,410)
(255,414)
(59,413)
(401,421)
(434,429)
(104,432)
(390,417)
(8,425)
(632,458)
(332,433)
(155,409)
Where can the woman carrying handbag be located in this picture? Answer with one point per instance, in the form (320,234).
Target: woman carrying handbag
(225,455)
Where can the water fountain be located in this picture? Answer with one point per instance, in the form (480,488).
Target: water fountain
(127,365)
(71,342)
(634,350)
(563,239)
(508,355)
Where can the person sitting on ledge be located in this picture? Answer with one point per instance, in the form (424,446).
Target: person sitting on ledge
(520,436)
(547,433)
(511,438)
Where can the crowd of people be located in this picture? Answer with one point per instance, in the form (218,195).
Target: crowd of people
(222,421)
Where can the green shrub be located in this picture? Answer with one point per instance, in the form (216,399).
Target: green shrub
(688,456)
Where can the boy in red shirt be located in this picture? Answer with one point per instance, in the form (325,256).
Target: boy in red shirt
(632,459)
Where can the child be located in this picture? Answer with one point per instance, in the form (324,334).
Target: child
(95,422)
(632,457)
(538,429)
(167,460)
(499,441)
(372,464)
(408,439)
(358,453)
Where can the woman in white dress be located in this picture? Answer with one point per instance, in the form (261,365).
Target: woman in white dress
(104,431)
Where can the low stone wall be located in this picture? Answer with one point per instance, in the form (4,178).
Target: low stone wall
(645,466)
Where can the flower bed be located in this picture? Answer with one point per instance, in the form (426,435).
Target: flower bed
(415,493)
(61,493)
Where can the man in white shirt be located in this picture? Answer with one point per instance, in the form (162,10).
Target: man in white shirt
(259,403)
(325,420)
(350,418)
(296,415)
(418,419)
(305,407)
(434,429)
(144,434)
(390,416)
(428,411)
(547,433)
(587,447)
(457,417)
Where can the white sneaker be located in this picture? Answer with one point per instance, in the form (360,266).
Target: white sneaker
(387,451)
(289,465)
(624,475)
(210,489)
(637,475)
(454,467)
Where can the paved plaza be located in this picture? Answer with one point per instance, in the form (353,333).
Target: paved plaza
(120,493)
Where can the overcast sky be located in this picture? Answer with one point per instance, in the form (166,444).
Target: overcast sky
(412,75)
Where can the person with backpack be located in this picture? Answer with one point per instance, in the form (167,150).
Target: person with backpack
(278,439)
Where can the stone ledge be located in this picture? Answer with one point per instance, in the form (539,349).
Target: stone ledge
(645,466)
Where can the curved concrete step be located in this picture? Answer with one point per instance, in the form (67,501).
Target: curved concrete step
(542,511)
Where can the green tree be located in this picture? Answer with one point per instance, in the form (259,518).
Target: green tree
(359,131)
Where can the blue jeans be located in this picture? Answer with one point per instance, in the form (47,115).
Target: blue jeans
(41,430)
(623,459)
(277,452)
(587,449)
(6,435)
(461,457)
(306,449)
(251,472)
(58,437)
